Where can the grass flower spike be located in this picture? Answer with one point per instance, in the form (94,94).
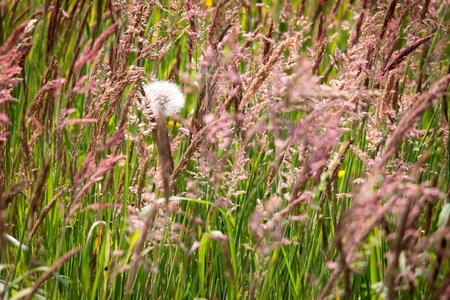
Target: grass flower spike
(163,97)
(217,149)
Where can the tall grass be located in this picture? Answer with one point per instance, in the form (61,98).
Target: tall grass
(310,161)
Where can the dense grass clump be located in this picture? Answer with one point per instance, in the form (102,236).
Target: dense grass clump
(307,156)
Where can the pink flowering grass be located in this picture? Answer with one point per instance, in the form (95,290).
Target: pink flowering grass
(224,149)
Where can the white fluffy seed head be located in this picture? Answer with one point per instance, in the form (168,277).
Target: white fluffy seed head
(163,97)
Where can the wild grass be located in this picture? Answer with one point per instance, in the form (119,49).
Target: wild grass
(310,160)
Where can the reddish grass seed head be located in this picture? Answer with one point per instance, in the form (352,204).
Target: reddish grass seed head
(163,97)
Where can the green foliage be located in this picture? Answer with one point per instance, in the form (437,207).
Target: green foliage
(217,253)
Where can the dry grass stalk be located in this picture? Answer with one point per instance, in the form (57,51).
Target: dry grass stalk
(403,53)
(407,122)
(43,214)
(264,71)
(5,200)
(386,101)
(49,272)
(38,192)
(387,17)
(137,249)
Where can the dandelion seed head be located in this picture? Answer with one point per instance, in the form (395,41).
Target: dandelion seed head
(163,97)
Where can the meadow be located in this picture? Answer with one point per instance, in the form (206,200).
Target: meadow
(309,160)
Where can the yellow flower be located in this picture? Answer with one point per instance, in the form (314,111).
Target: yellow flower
(170,123)
(209,3)
(341,173)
